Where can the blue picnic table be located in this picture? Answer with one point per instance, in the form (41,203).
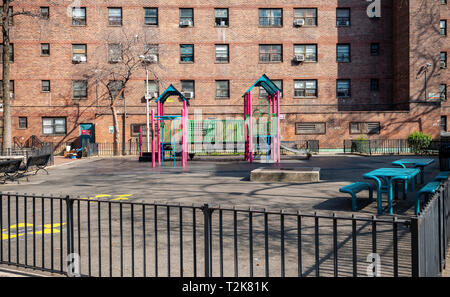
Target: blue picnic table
(390,176)
(415,163)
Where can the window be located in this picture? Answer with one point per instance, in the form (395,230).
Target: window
(114,87)
(305,88)
(23,122)
(153,88)
(79,53)
(45,49)
(270,53)
(186,17)
(444,123)
(270,17)
(343,17)
(310,128)
(187,53)
(222,55)
(365,128)
(309,15)
(443,92)
(45,12)
(152,52)
(151,16)
(188,86)
(222,89)
(11,89)
(11,18)
(11,53)
(374,85)
(45,86)
(343,88)
(135,129)
(115,16)
(443,60)
(277,82)
(374,49)
(221,17)
(308,51)
(443,27)
(343,53)
(79,16)
(79,89)
(114,53)
(52,126)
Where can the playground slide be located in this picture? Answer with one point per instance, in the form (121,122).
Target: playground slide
(296,151)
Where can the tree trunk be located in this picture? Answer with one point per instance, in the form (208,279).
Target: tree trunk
(116,130)
(7,135)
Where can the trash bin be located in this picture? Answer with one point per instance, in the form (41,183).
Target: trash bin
(444,156)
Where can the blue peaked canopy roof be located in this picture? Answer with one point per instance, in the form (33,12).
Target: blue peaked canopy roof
(267,84)
(170,91)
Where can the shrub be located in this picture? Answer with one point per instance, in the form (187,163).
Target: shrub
(419,142)
(361,145)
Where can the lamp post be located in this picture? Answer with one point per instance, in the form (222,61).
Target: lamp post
(147,99)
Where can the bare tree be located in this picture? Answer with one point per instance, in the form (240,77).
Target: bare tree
(127,53)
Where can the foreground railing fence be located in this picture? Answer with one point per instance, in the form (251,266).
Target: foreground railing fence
(126,238)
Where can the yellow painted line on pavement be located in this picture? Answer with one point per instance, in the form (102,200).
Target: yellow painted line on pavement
(102,196)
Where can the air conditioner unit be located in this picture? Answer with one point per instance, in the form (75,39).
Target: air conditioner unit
(154,95)
(152,58)
(188,95)
(299,22)
(343,23)
(186,23)
(299,58)
(78,59)
(11,95)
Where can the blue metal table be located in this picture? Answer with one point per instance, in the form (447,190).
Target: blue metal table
(390,175)
(415,163)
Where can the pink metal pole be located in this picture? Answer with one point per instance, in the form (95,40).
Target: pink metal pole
(153,138)
(250,106)
(182,138)
(278,129)
(140,141)
(187,131)
(246,126)
(159,133)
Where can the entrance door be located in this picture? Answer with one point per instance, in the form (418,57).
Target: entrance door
(86,133)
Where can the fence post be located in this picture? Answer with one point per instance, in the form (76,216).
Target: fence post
(70,236)
(207,214)
(415,247)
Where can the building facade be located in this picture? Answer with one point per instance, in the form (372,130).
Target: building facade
(345,71)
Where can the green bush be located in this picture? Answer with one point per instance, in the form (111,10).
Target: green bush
(419,142)
(361,145)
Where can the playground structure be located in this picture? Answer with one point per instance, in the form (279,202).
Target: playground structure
(260,129)
(171,131)
(266,131)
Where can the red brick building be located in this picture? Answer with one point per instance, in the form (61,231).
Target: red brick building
(343,73)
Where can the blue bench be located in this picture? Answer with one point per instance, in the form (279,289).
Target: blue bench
(355,188)
(442,176)
(428,190)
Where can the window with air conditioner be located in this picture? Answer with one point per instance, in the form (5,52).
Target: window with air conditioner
(45,86)
(187,53)
(45,49)
(222,89)
(79,54)
(343,88)
(443,60)
(53,126)
(188,88)
(186,17)
(151,53)
(443,92)
(221,17)
(305,52)
(343,17)
(443,27)
(11,89)
(305,17)
(79,16)
(44,12)
(310,128)
(152,88)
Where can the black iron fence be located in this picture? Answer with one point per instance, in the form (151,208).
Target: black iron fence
(123,238)
(388,147)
